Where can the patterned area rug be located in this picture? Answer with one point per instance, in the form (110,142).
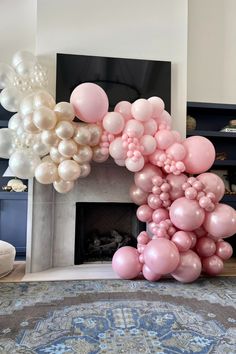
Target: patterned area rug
(115,316)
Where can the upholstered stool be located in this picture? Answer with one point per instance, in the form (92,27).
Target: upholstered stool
(7,256)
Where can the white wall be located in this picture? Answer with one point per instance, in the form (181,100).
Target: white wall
(151,29)
(212,51)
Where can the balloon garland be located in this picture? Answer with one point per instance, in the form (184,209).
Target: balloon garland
(186,223)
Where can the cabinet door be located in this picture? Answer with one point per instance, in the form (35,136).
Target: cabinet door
(13,219)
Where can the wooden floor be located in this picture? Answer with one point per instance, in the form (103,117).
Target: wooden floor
(18,271)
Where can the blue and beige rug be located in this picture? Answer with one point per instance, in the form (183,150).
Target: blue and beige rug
(118,317)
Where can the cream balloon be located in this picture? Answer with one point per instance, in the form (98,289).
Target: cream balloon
(27,105)
(69,170)
(96,133)
(64,111)
(40,149)
(10,99)
(6,75)
(29,125)
(49,137)
(98,156)
(85,170)
(44,118)
(64,130)
(23,163)
(67,148)
(43,99)
(56,156)
(82,135)
(15,121)
(84,154)
(7,139)
(46,172)
(62,186)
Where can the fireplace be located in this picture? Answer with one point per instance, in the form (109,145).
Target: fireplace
(102,228)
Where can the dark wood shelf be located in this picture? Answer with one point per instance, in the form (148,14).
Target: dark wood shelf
(228,198)
(224,163)
(211,134)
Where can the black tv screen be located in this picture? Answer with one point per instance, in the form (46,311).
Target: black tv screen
(122,79)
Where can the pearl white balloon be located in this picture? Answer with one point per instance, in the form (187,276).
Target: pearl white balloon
(7,138)
(96,133)
(84,154)
(82,135)
(40,149)
(85,170)
(64,111)
(64,130)
(29,125)
(113,122)
(6,75)
(63,186)
(46,172)
(10,99)
(23,56)
(44,118)
(134,166)
(67,148)
(23,163)
(69,170)
(43,99)
(27,105)
(56,156)
(49,137)
(98,156)
(15,121)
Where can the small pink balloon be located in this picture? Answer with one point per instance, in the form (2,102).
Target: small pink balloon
(160,215)
(161,256)
(134,128)
(90,102)
(125,262)
(142,110)
(193,239)
(149,144)
(176,183)
(149,275)
(150,127)
(164,118)
(143,238)
(176,151)
(134,166)
(182,240)
(154,201)
(124,108)
(164,139)
(158,106)
(212,265)
(213,184)
(143,178)
(224,250)
(189,268)
(221,222)
(186,214)
(200,154)
(137,195)
(205,247)
(117,150)
(144,213)
(113,122)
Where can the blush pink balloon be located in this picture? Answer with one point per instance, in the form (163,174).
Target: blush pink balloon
(176,183)
(205,247)
(143,238)
(124,108)
(164,118)
(182,240)
(150,127)
(177,151)
(177,136)
(113,122)
(117,150)
(149,275)
(200,154)
(134,165)
(149,144)
(224,250)
(186,214)
(134,128)
(153,201)
(164,139)
(142,110)
(213,184)
(221,222)
(158,106)
(161,256)
(160,215)
(189,268)
(212,265)
(193,239)
(125,262)
(144,213)
(143,178)
(137,195)
(90,102)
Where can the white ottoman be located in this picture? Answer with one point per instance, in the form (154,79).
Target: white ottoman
(7,256)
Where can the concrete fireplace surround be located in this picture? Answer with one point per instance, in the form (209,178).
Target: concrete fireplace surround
(51,215)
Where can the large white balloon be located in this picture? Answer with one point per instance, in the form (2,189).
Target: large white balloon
(10,99)
(41,149)
(64,111)
(24,62)
(27,105)
(46,172)
(44,118)
(49,137)
(43,99)
(7,138)
(82,135)
(23,163)
(15,121)
(64,130)
(62,186)
(69,170)
(67,148)
(6,75)
(84,154)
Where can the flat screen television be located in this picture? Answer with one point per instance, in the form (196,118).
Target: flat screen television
(122,79)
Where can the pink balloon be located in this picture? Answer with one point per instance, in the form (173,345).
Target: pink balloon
(212,265)
(117,150)
(177,136)
(149,144)
(221,222)
(177,151)
(164,139)
(182,240)
(186,214)
(176,183)
(134,165)
(137,195)
(142,110)
(213,184)
(149,275)
(205,247)
(224,250)
(165,119)
(143,238)
(113,122)
(90,102)
(124,108)
(161,256)
(150,127)
(189,268)
(193,239)
(144,213)
(200,154)
(134,128)
(154,201)
(125,262)
(143,178)
(160,215)
(158,106)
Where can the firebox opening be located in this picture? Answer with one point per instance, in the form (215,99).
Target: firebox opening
(102,228)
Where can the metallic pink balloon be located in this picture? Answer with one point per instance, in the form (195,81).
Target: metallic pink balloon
(176,183)
(189,268)
(182,240)
(161,256)
(137,195)
(149,275)
(125,262)
(224,250)
(160,215)
(144,213)
(186,214)
(221,222)
(212,265)
(213,184)
(143,178)
(193,238)
(205,247)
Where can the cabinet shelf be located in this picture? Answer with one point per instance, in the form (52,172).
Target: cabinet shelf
(224,163)
(211,134)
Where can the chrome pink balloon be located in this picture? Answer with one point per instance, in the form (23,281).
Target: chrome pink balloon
(164,139)
(212,265)
(189,268)
(177,151)
(224,250)
(176,183)
(158,106)
(125,262)
(143,178)
(144,213)
(159,215)
(137,195)
(205,247)
(182,240)
(221,222)
(150,275)
(213,184)
(124,108)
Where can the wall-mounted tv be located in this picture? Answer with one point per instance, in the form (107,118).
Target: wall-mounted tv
(122,79)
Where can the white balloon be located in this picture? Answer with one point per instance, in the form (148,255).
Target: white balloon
(56,156)
(44,118)
(64,111)
(40,149)
(10,99)
(64,130)
(63,186)
(7,138)
(85,170)
(15,121)
(96,133)
(27,105)
(29,125)
(69,170)
(98,156)
(6,75)
(84,154)
(46,172)
(67,148)
(43,99)
(82,135)
(23,163)
(49,137)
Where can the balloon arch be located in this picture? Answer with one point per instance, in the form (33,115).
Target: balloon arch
(186,223)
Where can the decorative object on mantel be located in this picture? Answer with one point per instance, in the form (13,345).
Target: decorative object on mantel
(231,127)
(221,156)
(186,221)
(13,185)
(191,123)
